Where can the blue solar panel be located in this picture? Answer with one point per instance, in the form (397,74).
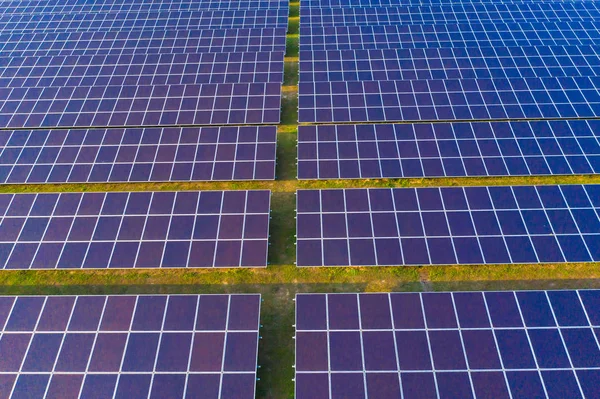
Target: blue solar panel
(451,13)
(453,99)
(143,21)
(119,106)
(155,346)
(153,69)
(471,225)
(448,149)
(526,344)
(43,7)
(186,229)
(450,35)
(395,3)
(143,42)
(138,155)
(450,63)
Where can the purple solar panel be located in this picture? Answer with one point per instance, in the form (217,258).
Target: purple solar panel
(44,7)
(186,229)
(449,99)
(143,42)
(138,155)
(120,106)
(449,63)
(448,13)
(151,346)
(478,345)
(464,34)
(147,69)
(147,20)
(451,225)
(391,3)
(448,149)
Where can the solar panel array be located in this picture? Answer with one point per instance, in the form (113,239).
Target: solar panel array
(137,70)
(519,345)
(143,20)
(127,77)
(147,105)
(449,149)
(47,6)
(451,63)
(143,42)
(394,3)
(450,13)
(429,62)
(470,225)
(184,229)
(138,155)
(176,346)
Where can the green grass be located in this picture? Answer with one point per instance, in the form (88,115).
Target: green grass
(293,25)
(286,132)
(289,109)
(294,9)
(291,47)
(281,280)
(290,78)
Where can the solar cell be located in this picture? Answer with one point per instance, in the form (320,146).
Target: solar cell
(138,155)
(471,225)
(155,346)
(448,149)
(269,18)
(449,63)
(450,35)
(509,344)
(451,99)
(134,230)
(119,106)
(42,7)
(143,42)
(451,13)
(150,69)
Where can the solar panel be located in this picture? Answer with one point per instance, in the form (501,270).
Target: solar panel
(448,149)
(450,35)
(394,3)
(186,229)
(526,344)
(450,63)
(138,155)
(452,99)
(151,346)
(151,69)
(461,7)
(120,106)
(275,18)
(451,225)
(452,13)
(43,7)
(143,42)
